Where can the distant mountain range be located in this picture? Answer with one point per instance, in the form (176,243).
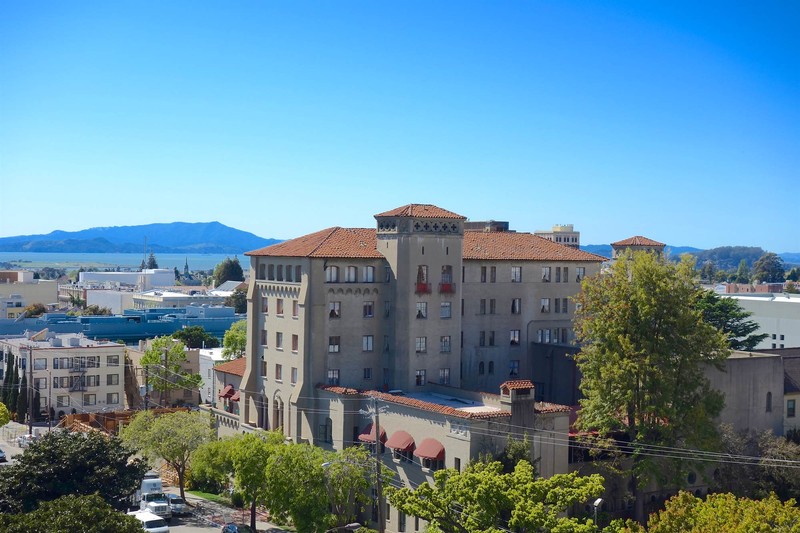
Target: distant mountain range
(174,237)
(724,257)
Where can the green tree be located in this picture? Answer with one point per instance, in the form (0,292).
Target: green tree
(742,273)
(196,337)
(76,301)
(151,261)
(5,416)
(96,310)
(229,269)
(474,500)
(164,361)
(793,274)
(22,400)
(35,310)
(249,454)
(234,342)
(349,474)
(87,514)
(294,490)
(212,468)
(769,268)
(685,513)
(62,463)
(237,300)
(727,315)
(644,350)
(708,271)
(172,437)
(791,288)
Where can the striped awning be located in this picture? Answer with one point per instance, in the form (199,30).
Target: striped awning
(368,435)
(430,449)
(400,441)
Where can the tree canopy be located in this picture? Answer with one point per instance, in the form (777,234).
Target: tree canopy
(62,463)
(172,437)
(5,416)
(34,310)
(196,337)
(151,261)
(96,310)
(727,315)
(87,514)
(237,300)
(234,342)
(742,273)
(769,268)
(644,350)
(227,270)
(164,361)
(484,499)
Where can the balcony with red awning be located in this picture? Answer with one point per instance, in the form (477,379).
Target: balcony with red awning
(368,435)
(227,392)
(430,449)
(400,441)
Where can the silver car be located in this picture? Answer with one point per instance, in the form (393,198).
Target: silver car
(178,506)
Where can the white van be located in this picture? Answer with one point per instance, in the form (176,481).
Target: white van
(150,522)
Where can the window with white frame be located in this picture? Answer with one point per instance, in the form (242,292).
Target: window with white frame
(62,401)
(279,307)
(444,376)
(367,342)
(333,376)
(369,274)
(39,383)
(420,377)
(369,309)
(545,273)
(351,274)
(278,372)
(112,379)
(264,304)
(334,309)
(544,304)
(39,363)
(421,344)
(445,310)
(113,397)
(295,309)
(89,399)
(279,340)
(580,273)
(293,375)
(516,306)
(444,344)
(332,274)
(93,380)
(333,344)
(516,274)
(112,360)
(514,336)
(295,343)
(422,309)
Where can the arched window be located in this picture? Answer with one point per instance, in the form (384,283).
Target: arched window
(769,402)
(481,368)
(491,367)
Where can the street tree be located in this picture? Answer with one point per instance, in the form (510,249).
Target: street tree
(793,274)
(151,261)
(483,498)
(212,468)
(294,491)
(172,437)
(234,342)
(685,513)
(769,268)
(237,300)
(227,270)
(62,463)
(196,337)
(644,350)
(349,474)
(249,453)
(5,416)
(164,361)
(87,514)
(728,316)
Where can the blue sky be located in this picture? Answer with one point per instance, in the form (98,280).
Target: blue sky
(675,120)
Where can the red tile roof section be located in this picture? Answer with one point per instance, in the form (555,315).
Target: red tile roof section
(235,367)
(331,242)
(514,384)
(514,246)
(420,211)
(638,240)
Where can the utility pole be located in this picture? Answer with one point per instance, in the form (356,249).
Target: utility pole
(376,426)
(146,387)
(164,379)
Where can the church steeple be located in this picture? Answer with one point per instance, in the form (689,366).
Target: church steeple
(186,267)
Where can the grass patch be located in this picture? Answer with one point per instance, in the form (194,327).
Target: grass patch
(216,498)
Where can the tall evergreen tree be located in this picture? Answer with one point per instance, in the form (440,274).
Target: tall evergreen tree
(22,400)
(13,389)
(151,261)
(727,315)
(769,268)
(5,394)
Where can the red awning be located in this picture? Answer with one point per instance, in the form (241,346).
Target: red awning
(430,449)
(227,392)
(401,441)
(235,397)
(368,435)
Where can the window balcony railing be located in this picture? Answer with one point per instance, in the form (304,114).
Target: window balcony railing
(422,288)
(447,288)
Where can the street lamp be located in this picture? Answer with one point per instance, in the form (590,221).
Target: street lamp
(597,503)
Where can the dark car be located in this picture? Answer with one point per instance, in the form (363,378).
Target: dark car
(236,528)
(3,456)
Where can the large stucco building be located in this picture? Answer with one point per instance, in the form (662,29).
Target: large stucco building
(419,313)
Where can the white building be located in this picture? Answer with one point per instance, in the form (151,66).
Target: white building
(144,280)
(71,372)
(778,315)
(209,358)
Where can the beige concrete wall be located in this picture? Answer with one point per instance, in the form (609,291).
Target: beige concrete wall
(40,291)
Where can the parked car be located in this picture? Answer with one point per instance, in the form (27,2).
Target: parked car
(236,528)
(150,522)
(3,456)
(177,505)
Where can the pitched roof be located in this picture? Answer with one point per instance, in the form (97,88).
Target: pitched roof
(515,246)
(516,384)
(235,367)
(420,211)
(331,242)
(637,240)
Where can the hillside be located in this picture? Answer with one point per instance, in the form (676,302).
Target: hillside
(175,237)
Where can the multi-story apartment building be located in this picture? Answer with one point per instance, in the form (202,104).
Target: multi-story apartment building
(70,372)
(563,234)
(415,301)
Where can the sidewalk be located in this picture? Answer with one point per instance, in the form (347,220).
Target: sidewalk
(220,515)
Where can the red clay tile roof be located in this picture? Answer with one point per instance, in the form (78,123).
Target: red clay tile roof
(514,246)
(235,367)
(331,242)
(638,240)
(420,211)
(547,407)
(515,384)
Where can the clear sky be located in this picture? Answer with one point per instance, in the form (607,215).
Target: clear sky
(675,120)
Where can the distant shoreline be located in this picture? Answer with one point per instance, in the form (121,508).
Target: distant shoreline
(73,261)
